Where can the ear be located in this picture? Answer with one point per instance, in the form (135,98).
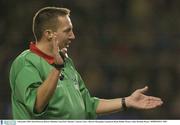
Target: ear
(48,34)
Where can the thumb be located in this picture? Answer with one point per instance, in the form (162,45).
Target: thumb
(143,90)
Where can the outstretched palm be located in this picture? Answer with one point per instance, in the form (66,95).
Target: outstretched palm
(139,100)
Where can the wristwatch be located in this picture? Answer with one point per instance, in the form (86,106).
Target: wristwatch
(123,102)
(58,66)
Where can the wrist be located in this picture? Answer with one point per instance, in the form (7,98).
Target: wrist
(123,103)
(58,66)
(128,102)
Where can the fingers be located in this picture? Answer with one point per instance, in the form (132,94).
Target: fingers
(55,45)
(153,104)
(58,59)
(154,98)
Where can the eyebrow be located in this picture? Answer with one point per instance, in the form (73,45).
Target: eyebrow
(68,29)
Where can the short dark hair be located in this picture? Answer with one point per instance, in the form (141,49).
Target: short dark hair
(47,18)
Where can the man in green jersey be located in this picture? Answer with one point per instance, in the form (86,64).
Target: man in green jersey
(45,83)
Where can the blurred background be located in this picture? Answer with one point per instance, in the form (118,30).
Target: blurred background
(120,46)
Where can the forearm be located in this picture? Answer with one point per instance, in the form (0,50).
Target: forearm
(46,90)
(109,106)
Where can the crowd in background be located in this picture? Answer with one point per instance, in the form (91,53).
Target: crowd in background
(120,46)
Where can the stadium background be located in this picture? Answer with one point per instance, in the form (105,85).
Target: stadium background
(120,45)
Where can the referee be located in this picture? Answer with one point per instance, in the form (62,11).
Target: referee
(45,83)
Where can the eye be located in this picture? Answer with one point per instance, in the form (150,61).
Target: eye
(67,30)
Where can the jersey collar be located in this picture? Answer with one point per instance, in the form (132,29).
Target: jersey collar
(37,51)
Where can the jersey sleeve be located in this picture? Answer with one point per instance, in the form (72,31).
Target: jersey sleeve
(90,102)
(27,82)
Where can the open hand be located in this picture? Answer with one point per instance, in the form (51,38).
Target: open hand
(58,59)
(139,100)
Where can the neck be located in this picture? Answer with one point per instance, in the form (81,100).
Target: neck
(45,47)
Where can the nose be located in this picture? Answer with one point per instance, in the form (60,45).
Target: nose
(72,36)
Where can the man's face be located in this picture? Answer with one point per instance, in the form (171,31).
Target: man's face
(64,33)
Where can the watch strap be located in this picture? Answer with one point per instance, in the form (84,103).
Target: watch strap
(58,66)
(123,102)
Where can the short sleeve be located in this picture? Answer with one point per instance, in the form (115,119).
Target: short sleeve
(27,82)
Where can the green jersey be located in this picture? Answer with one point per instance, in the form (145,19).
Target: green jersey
(71,99)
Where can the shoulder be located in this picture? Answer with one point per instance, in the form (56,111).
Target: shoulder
(25,58)
(22,61)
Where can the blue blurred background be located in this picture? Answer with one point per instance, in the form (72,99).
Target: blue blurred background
(120,46)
